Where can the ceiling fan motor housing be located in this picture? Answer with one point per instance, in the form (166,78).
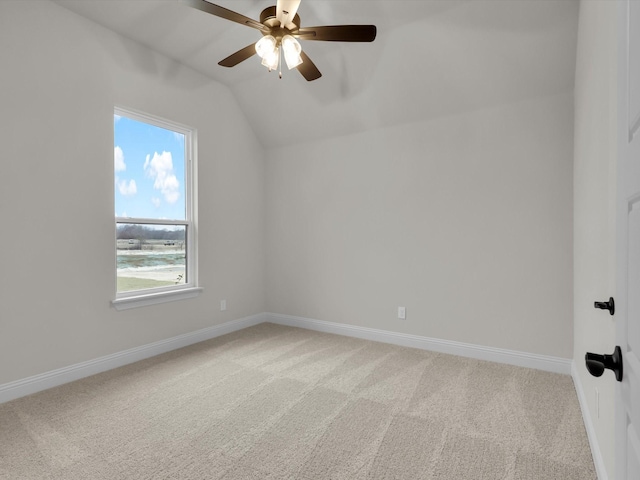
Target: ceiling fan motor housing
(268,18)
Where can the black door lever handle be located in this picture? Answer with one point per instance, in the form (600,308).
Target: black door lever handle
(597,363)
(610,305)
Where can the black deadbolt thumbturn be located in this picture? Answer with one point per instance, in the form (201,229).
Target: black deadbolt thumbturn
(610,305)
(597,363)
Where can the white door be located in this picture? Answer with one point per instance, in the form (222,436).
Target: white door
(628,242)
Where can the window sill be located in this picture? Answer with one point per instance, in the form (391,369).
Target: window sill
(146,299)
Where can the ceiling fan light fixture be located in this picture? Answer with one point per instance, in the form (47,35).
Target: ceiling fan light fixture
(266,46)
(272,59)
(292,50)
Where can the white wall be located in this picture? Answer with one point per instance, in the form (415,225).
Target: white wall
(594,209)
(61,77)
(466,221)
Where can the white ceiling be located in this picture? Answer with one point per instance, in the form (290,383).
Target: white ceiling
(431,58)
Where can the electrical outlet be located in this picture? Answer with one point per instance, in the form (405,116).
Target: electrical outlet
(223,305)
(402,313)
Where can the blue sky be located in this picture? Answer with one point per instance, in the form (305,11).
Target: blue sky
(149,170)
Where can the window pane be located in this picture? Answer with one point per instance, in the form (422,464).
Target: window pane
(149,171)
(150,256)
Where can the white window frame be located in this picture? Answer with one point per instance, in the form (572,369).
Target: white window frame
(189,289)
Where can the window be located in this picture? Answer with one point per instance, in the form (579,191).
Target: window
(154,178)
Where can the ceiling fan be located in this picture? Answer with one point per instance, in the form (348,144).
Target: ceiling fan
(280,27)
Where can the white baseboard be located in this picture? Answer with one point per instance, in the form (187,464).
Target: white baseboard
(596,453)
(510,357)
(54,378)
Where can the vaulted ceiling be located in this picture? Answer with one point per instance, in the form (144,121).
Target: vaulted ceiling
(431,58)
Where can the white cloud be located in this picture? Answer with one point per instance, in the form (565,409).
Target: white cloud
(160,168)
(156,201)
(118,160)
(116,118)
(127,188)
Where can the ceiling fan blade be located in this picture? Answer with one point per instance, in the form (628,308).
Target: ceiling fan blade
(308,69)
(339,33)
(240,56)
(286,11)
(222,12)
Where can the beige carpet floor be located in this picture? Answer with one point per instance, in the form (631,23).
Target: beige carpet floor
(273,402)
